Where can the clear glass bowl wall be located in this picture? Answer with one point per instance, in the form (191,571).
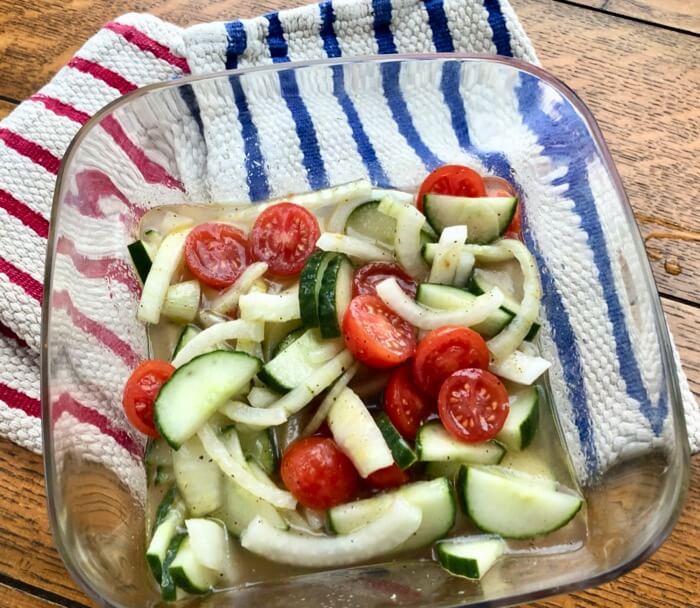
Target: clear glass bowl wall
(252,134)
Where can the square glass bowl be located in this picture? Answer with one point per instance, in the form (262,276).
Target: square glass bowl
(253,134)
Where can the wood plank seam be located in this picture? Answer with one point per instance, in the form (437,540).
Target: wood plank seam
(40,593)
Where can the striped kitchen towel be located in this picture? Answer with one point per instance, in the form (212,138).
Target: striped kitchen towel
(136,50)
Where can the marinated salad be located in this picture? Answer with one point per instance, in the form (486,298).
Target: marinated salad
(341,377)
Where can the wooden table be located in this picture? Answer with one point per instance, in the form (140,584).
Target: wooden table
(634,62)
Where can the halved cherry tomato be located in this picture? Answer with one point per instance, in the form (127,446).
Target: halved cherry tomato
(404,404)
(454,180)
(497,186)
(445,350)
(367,278)
(284,236)
(318,474)
(388,477)
(376,335)
(473,405)
(216,253)
(141,391)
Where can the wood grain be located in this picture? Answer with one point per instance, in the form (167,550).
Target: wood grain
(5,108)
(14,598)
(681,14)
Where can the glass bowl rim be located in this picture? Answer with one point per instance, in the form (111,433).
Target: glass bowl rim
(668,361)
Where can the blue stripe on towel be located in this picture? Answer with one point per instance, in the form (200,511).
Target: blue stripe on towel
(310,149)
(360,137)
(579,191)
(236,40)
(392,88)
(256,177)
(501,35)
(442,39)
(188,96)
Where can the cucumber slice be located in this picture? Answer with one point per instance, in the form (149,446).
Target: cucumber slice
(434,499)
(480,283)
(158,453)
(522,421)
(442,468)
(292,365)
(335,295)
(514,505)
(310,285)
(182,301)
(260,447)
(434,443)
(168,590)
(164,475)
(209,542)
(198,479)
(470,556)
(445,297)
(288,340)
(404,456)
(169,516)
(198,389)
(241,507)
(275,333)
(141,259)
(358,435)
(486,218)
(366,221)
(188,332)
(189,573)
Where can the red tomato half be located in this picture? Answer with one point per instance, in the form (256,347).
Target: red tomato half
(497,186)
(284,236)
(445,350)
(141,391)
(404,404)
(367,278)
(389,477)
(473,405)
(318,474)
(375,335)
(454,180)
(216,254)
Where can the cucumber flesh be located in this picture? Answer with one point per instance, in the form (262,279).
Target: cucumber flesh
(514,505)
(259,446)
(334,295)
(486,218)
(168,590)
(188,332)
(434,499)
(288,340)
(368,222)
(310,285)
(445,297)
(522,421)
(209,542)
(292,366)
(198,389)
(189,573)
(404,456)
(198,479)
(170,515)
(471,556)
(434,443)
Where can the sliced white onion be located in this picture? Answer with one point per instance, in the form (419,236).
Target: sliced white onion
(465,265)
(398,195)
(407,238)
(483,253)
(262,397)
(227,300)
(426,318)
(258,417)
(207,340)
(273,307)
(209,542)
(353,247)
(506,342)
(380,536)
(329,400)
(521,368)
(230,466)
(315,384)
(444,266)
(345,194)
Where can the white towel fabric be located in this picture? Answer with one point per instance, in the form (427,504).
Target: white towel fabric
(600,422)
